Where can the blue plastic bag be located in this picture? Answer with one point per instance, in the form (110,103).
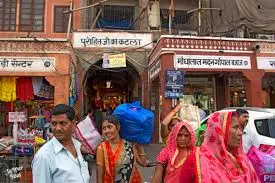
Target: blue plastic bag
(136,123)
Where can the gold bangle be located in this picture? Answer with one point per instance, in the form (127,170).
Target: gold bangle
(142,154)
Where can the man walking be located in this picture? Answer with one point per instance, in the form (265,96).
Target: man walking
(60,159)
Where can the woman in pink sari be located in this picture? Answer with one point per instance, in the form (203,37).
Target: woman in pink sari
(221,157)
(181,143)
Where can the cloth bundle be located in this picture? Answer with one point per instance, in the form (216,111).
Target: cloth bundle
(263,162)
(191,114)
(87,133)
(136,123)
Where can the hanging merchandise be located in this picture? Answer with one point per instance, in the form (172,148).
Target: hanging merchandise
(73,88)
(37,84)
(24,89)
(46,90)
(7,89)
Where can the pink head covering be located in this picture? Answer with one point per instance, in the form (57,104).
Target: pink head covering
(167,153)
(217,163)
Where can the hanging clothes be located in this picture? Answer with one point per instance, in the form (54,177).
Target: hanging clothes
(37,84)
(24,89)
(46,90)
(7,89)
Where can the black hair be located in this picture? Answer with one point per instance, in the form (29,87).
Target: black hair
(64,109)
(241,111)
(111,119)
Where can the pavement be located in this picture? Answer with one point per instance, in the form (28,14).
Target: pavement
(152,151)
(146,172)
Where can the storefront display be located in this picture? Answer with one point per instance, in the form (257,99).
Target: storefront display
(200,89)
(24,134)
(237,92)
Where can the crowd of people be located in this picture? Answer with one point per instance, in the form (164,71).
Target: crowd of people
(213,154)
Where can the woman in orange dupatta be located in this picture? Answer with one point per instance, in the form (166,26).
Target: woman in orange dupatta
(221,157)
(181,143)
(116,158)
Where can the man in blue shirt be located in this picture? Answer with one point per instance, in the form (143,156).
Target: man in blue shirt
(60,159)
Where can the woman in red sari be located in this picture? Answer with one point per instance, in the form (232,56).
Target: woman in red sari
(221,157)
(181,143)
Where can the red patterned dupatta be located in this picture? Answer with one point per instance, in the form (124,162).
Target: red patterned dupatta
(214,163)
(169,154)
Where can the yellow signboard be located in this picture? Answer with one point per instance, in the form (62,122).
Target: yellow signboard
(118,60)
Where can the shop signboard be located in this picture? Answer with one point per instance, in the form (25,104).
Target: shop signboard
(266,63)
(112,40)
(27,64)
(114,61)
(154,70)
(17,117)
(212,62)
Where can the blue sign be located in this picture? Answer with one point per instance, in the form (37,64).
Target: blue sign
(172,94)
(174,80)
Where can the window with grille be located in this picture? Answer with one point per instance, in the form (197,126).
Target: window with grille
(7,15)
(181,18)
(114,17)
(61,19)
(32,15)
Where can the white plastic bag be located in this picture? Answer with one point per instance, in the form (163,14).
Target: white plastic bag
(87,133)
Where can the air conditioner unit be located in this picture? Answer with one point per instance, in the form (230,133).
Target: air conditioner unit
(188,33)
(266,36)
(154,14)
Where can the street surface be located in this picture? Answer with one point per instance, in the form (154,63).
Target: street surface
(151,150)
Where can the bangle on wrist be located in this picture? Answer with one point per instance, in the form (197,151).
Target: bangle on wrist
(143,154)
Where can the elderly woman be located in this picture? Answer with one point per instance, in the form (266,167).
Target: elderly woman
(221,157)
(181,143)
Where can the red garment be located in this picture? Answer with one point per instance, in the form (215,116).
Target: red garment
(213,163)
(169,154)
(188,170)
(24,89)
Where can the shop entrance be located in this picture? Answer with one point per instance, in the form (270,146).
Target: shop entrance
(104,88)
(268,84)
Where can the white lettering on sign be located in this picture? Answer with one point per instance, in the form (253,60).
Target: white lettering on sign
(111,39)
(27,64)
(17,117)
(212,62)
(266,63)
(155,70)
(269,178)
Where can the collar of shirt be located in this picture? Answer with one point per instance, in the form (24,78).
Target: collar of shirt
(58,146)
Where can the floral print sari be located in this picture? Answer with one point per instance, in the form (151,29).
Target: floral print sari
(214,162)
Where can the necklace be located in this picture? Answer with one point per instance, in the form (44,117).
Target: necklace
(181,161)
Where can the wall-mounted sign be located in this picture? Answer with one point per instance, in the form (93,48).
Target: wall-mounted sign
(27,64)
(17,117)
(174,79)
(172,94)
(174,82)
(154,70)
(114,61)
(112,40)
(212,62)
(266,63)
